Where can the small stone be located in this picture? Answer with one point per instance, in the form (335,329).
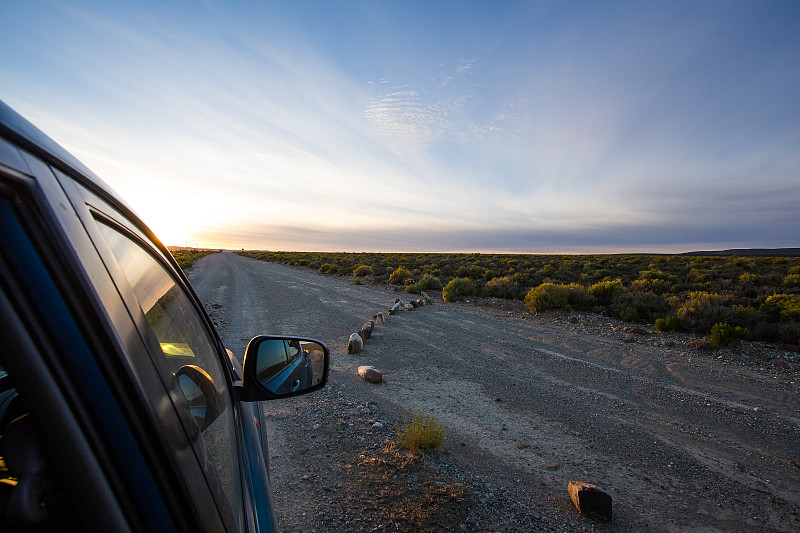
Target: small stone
(590,500)
(785,366)
(377,425)
(630,337)
(317,426)
(553,466)
(370,374)
(638,331)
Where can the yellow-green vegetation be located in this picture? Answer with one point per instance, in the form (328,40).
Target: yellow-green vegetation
(427,282)
(725,334)
(686,292)
(362,271)
(420,432)
(186,256)
(399,275)
(457,289)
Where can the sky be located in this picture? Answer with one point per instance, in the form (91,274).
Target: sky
(449,126)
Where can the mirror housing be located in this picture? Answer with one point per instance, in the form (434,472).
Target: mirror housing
(279,366)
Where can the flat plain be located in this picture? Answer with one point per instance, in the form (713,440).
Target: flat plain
(682,439)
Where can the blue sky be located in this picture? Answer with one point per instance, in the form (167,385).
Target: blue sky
(542,127)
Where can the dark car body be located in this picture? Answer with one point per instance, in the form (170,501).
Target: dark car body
(120,408)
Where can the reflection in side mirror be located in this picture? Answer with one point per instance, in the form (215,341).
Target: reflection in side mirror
(279,367)
(205,401)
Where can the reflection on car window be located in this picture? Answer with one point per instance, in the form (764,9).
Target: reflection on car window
(271,359)
(184,341)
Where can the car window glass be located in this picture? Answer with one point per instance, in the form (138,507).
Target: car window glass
(271,358)
(184,341)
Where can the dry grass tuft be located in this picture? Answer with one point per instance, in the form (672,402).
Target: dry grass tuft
(420,432)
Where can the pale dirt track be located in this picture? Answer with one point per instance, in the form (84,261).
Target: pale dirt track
(681,441)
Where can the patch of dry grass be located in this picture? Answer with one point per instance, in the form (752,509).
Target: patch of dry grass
(420,432)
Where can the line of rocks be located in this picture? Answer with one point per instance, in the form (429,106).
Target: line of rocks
(355,343)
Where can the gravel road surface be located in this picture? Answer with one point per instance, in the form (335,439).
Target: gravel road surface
(682,440)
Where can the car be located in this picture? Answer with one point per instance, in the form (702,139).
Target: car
(120,408)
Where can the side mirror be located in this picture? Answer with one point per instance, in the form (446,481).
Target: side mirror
(205,401)
(280,367)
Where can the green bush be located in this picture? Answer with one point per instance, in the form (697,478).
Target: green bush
(633,307)
(362,271)
(725,334)
(501,288)
(789,304)
(556,296)
(790,333)
(457,288)
(605,291)
(700,311)
(668,323)
(792,280)
(427,283)
(657,286)
(750,278)
(399,275)
(547,296)
(420,432)
(324,268)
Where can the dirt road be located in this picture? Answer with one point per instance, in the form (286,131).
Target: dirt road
(682,440)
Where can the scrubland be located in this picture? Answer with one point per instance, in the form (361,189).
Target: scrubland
(721,298)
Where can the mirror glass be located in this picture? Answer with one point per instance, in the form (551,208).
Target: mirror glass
(202,396)
(286,366)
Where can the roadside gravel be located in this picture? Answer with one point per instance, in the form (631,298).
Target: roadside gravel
(682,439)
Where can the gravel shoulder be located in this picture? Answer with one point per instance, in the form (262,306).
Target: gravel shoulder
(682,439)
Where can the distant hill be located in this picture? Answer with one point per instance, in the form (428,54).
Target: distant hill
(752,251)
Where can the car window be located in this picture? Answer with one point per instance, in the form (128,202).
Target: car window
(188,351)
(271,358)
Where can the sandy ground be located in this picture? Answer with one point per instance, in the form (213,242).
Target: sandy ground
(683,440)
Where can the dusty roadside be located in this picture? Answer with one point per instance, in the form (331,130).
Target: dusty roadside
(683,440)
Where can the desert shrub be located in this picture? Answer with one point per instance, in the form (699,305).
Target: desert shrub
(427,283)
(792,280)
(700,311)
(363,270)
(399,275)
(788,304)
(457,288)
(605,291)
(501,288)
(657,286)
(725,334)
(324,268)
(471,271)
(420,432)
(547,296)
(557,296)
(633,307)
(185,258)
(668,323)
(790,333)
(358,281)
(750,278)
(579,297)
(745,316)
(658,274)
